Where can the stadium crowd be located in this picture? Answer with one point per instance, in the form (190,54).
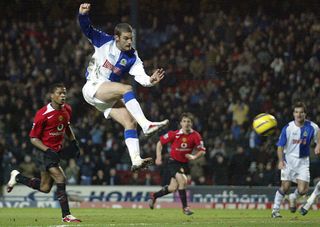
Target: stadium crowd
(223,65)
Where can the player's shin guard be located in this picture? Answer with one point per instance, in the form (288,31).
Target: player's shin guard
(183,197)
(277,200)
(30,182)
(135,110)
(162,192)
(132,142)
(63,199)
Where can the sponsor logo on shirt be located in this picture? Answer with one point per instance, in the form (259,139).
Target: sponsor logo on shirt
(123,62)
(113,68)
(60,127)
(300,141)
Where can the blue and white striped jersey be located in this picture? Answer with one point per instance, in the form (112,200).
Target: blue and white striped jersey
(296,140)
(108,63)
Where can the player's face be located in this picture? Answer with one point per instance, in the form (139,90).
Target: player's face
(124,41)
(186,124)
(299,115)
(59,96)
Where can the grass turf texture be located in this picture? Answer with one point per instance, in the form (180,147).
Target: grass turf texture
(158,217)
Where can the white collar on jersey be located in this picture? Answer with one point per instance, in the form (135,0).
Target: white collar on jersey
(114,50)
(50,108)
(181,132)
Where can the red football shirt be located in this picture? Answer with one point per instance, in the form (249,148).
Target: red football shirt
(182,144)
(50,125)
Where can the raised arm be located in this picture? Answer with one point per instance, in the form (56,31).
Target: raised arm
(96,37)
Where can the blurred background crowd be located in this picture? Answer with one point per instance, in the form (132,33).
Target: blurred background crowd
(225,62)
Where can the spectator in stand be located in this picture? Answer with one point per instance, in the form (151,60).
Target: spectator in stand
(28,168)
(113,178)
(99,179)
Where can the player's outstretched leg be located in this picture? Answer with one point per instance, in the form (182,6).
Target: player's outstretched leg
(316,192)
(148,127)
(12,181)
(153,196)
(154,127)
(152,201)
(145,163)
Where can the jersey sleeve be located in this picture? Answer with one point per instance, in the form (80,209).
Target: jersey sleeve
(137,70)
(95,36)
(316,131)
(283,137)
(199,142)
(167,138)
(37,126)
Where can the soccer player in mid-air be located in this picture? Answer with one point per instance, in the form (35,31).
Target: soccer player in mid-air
(51,124)
(183,142)
(114,57)
(293,157)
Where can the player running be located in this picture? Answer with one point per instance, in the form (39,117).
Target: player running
(114,57)
(183,142)
(51,124)
(293,155)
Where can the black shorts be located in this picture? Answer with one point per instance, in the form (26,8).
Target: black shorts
(175,166)
(44,164)
(42,161)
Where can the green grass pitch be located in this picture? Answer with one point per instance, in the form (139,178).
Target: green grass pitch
(158,217)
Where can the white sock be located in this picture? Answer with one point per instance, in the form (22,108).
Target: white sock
(277,201)
(135,110)
(295,194)
(132,142)
(312,197)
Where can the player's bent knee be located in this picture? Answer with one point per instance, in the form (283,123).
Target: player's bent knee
(126,88)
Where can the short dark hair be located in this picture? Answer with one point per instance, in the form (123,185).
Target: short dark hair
(187,115)
(122,27)
(54,87)
(300,105)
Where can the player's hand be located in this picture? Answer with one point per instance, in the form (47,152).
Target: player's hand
(84,8)
(157,76)
(190,157)
(52,156)
(158,161)
(317,149)
(281,165)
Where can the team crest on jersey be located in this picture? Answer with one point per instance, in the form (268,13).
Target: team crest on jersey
(60,118)
(305,133)
(60,127)
(184,139)
(123,62)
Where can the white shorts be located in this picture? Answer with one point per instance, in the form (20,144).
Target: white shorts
(296,168)
(88,92)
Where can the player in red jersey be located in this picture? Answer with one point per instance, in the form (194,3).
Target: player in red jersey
(51,124)
(183,142)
